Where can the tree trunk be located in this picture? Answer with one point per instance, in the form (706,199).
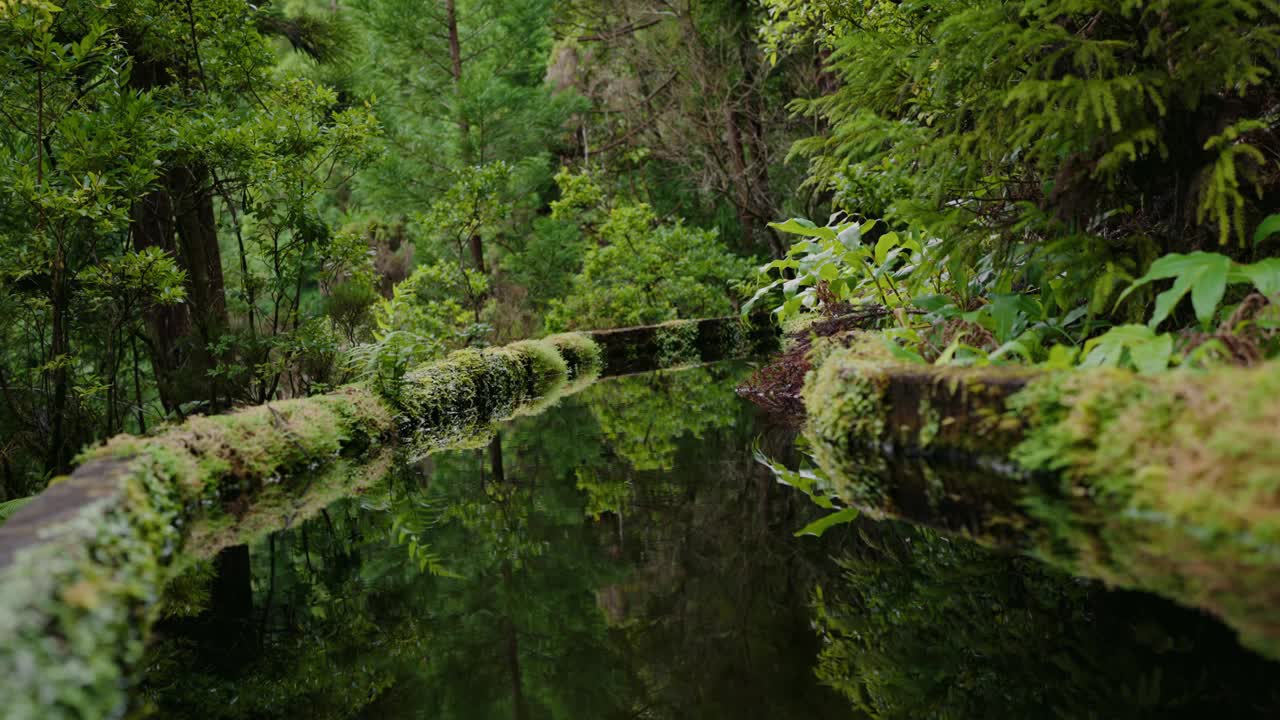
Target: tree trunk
(59,459)
(178,217)
(751,145)
(231,595)
(206,289)
(464,127)
(519,706)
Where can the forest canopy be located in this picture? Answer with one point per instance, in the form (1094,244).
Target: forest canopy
(211,203)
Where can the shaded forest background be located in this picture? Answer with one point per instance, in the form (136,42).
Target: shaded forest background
(207,203)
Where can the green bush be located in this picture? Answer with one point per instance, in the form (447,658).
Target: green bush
(644,272)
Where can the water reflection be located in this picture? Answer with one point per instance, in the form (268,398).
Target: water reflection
(918,625)
(622,555)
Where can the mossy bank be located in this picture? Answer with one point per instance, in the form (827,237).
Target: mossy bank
(1168,483)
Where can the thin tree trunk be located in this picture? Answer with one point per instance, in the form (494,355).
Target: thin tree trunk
(464,127)
(59,352)
(137,388)
(231,595)
(178,218)
(198,232)
(519,707)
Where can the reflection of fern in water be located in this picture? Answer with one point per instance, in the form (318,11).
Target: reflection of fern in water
(413,517)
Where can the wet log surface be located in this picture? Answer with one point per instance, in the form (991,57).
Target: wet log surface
(624,351)
(646,348)
(39,521)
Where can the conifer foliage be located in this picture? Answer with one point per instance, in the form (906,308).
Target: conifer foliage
(1118,124)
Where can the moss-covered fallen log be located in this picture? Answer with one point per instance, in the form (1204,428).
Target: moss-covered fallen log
(82,567)
(682,342)
(1167,483)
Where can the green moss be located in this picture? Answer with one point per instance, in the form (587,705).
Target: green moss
(845,401)
(458,400)
(582,356)
(932,423)
(1167,483)
(1164,483)
(282,504)
(75,607)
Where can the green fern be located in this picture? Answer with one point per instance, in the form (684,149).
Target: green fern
(9,507)
(1047,119)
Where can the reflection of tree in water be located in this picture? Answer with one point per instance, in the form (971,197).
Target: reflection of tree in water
(494,583)
(644,418)
(716,611)
(922,626)
(524,607)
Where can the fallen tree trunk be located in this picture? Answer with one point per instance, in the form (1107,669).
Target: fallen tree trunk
(82,567)
(1168,483)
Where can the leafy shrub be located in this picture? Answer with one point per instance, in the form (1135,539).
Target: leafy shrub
(424,319)
(644,272)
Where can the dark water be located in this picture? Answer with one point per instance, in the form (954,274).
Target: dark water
(623,556)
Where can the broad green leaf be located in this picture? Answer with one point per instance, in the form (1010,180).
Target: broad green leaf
(1061,357)
(821,525)
(1171,266)
(1138,344)
(1015,347)
(1005,311)
(887,242)
(1075,315)
(1264,274)
(1153,355)
(933,303)
(796,226)
(850,237)
(1168,300)
(1209,287)
(1268,227)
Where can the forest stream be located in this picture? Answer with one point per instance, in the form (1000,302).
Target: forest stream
(625,554)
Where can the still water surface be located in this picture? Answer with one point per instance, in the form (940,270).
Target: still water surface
(624,556)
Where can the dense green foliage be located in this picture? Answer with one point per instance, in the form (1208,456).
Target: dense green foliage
(1029,161)
(211,209)
(215,203)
